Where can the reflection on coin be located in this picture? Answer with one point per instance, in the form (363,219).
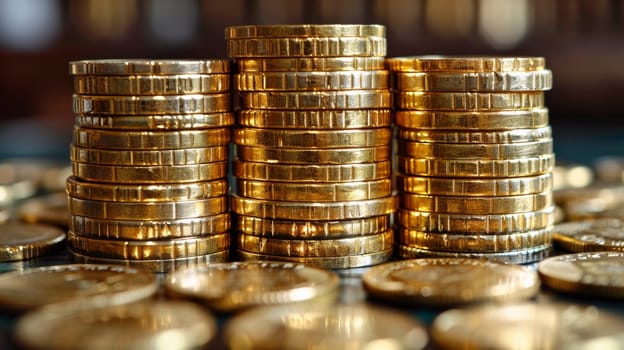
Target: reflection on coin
(340,327)
(26,241)
(94,285)
(48,209)
(590,235)
(332,262)
(237,285)
(147,325)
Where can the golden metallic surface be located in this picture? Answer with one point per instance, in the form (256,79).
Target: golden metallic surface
(338,99)
(19,241)
(145,193)
(49,209)
(148,67)
(465,64)
(468,101)
(471,187)
(150,140)
(475,224)
(313,156)
(334,262)
(148,211)
(476,152)
(476,137)
(149,250)
(316,247)
(314,139)
(155,122)
(449,281)
(536,80)
(236,286)
(478,243)
(474,121)
(87,285)
(313,211)
(151,84)
(332,229)
(152,105)
(521,256)
(150,174)
(305,30)
(315,119)
(312,81)
(182,156)
(143,230)
(309,64)
(458,167)
(306,47)
(476,205)
(605,234)
(311,173)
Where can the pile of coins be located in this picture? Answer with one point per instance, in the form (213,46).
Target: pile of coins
(312,168)
(475,157)
(149,162)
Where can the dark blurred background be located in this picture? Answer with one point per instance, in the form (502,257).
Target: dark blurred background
(582,40)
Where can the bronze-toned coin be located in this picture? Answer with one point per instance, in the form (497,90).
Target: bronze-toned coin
(334,262)
(306,47)
(471,187)
(305,30)
(291,138)
(590,235)
(235,286)
(449,281)
(150,174)
(151,84)
(522,256)
(476,121)
(476,205)
(154,140)
(316,119)
(492,151)
(321,156)
(49,209)
(311,173)
(465,64)
(536,80)
(94,285)
(476,137)
(155,122)
(470,101)
(338,99)
(149,67)
(312,81)
(182,156)
(27,241)
(151,105)
(309,64)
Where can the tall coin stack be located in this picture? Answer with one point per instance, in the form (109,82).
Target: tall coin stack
(312,169)
(149,160)
(475,157)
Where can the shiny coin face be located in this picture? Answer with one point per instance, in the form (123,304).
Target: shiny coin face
(25,241)
(590,235)
(238,285)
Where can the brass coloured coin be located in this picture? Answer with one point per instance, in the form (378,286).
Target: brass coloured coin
(49,209)
(471,120)
(309,64)
(479,101)
(305,30)
(492,151)
(522,256)
(182,156)
(306,47)
(148,67)
(151,84)
(476,205)
(590,235)
(338,99)
(150,174)
(315,119)
(19,241)
(151,105)
(312,172)
(155,122)
(476,137)
(465,64)
(154,140)
(471,187)
(304,156)
(334,262)
(312,81)
(537,80)
(289,138)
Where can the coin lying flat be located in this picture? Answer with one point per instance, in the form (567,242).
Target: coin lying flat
(85,284)
(26,241)
(149,67)
(151,84)
(590,235)
(474,81)
(339,327)
(48,209)
(238,285)
(466,64)
(520,256)
(332,262)
(143,326)
(155,122)
(470,120)
(307,47)
(305,30)
(315,119)
(449,281)
(475,101)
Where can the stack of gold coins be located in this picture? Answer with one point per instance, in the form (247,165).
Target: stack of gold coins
(475,157)
(149,160)
(312,168)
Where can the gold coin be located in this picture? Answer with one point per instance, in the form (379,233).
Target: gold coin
(312,156)
(492,151)
(305,30)
(316,119)
(149,67)
(27,241)
(155,140)
(309,64)
(475,224)
(478,243)
(333,229)
(290,138)
(592,274)
(359,326)
(150,250)
(449,281)
(151,84)
(465,64)
(590,235)
(135,326)
(151,105)
(477,121)
(234,286)
(306,47)
(521,256)
(50,209)
(312,81)
(468,101)
(470,187)
(182,156)
(458,167)
(535,80)
(148,211)
(141,194)
(155,122)
(530,325)
(94,285)
(149,229)
(445,136)
(334,262)
(313,211)
(311,173)
(150,174)
(316,247)
(347,99)
(476,205)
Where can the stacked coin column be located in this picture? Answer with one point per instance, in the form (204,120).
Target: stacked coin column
(149,160)
(475,158)
(312,143)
